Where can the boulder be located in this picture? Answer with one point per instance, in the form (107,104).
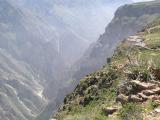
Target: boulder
(148,92)
(157,110)
(157,102)
(144,97)
(122,99)
(155,82)
(142,85)
(134,98)
(109,111)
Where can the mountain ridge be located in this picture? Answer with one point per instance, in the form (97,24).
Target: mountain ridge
(96,55)
(134,62)
(125,88)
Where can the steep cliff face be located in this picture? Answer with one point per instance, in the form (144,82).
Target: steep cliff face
(127,21)
(21,95)
(73,31)
(128,87)
(24,39)
(37,39)
(26,70)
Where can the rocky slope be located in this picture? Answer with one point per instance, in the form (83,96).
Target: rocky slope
(127,21)
(21,95)
(126,88)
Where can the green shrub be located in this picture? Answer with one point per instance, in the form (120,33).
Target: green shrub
(107,79)
(130,111)
(153,104)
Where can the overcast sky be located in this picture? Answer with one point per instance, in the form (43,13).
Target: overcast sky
(141,0)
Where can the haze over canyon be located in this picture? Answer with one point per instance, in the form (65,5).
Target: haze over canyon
(47,46)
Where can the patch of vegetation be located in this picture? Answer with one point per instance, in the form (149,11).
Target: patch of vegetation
(152,24)
(131,111)
(152,105)
(153,40)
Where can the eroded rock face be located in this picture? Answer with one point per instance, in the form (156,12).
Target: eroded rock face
(142,91)
(27,64)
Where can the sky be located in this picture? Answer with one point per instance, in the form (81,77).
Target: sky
(141,0)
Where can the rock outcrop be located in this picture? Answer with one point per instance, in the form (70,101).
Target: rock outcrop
(143,91)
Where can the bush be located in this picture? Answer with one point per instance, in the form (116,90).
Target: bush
(152,104)
(130,111)
(107,80)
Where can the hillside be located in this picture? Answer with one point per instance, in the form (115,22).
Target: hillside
(126,88)
(131,18)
